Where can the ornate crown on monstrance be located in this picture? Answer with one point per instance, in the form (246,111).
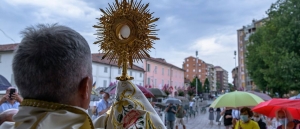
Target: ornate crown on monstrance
(125,33)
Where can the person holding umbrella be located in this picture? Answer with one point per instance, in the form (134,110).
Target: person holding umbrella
(286,120)
(170,115)
(245,121)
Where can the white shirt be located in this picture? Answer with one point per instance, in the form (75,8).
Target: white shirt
(191,104)
(235,113)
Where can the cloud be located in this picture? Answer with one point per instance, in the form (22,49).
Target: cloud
(58,9)
(208,26)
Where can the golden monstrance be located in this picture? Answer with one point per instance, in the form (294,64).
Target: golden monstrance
(125,34)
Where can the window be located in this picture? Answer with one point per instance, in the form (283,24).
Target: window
(168,72)
(193,70)
(187,70)
(187,76)
(105,69)
(104,83)
(187,65)
(187,59)
(155,82)
(140,84)
(130,73)
(148,81)
(141,75)
(155,69)
(193,59)
(199,76)
(119,71)
(162,71)
(0,58)
(148,67)
(162,82)
(200,70)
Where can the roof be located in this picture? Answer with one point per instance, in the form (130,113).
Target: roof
(163,61)
(8,47)
(97,57)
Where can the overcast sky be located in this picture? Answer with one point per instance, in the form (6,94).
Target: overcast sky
(209,26)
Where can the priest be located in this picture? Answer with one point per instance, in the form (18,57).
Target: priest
(52,68)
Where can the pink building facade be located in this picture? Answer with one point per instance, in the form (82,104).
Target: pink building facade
(159,73)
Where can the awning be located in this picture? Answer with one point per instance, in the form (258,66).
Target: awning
(157,92)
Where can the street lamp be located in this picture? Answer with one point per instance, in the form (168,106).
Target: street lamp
(235,71)
(196,73)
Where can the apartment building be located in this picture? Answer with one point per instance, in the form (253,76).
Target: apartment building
(222,78)
(192,69)
(244,80)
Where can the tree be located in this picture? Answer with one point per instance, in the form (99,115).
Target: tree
(193,84)
(218,87)
(231,87)
(206,86)
(255,62)
(191,91)
(180,91)
(167,89)
(273,52)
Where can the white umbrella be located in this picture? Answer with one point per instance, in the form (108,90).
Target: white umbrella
(172,100)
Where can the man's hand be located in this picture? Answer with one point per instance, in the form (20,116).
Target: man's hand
(4,98)
(173,110)
(227,116)
(17,97)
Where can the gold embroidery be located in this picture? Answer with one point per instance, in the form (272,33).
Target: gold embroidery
(88,124)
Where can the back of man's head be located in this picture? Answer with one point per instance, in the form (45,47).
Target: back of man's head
(50,63)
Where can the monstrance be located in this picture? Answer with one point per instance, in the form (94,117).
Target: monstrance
(126,33)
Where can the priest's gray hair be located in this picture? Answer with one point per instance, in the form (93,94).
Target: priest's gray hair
(50,62)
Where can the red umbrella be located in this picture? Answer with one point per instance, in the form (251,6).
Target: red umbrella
(145,91)
(269,108)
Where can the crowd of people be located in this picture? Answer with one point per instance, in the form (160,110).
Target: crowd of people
(245,118)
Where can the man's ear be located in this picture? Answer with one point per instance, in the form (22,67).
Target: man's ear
(85,87)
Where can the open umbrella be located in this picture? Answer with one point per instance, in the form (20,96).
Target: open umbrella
(295,97)
(157,92)
(94,95)
(145,91)
(4,84)
(270,107)
(110,88)
(172,100)
(236,99)
(263,96)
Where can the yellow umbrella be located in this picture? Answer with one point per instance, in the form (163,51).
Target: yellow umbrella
(236,99)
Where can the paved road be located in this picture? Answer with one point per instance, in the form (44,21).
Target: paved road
(201,122)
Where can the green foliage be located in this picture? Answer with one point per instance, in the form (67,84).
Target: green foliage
(231,87)
(193,84)
(219,87)
(206,86)
(273,58)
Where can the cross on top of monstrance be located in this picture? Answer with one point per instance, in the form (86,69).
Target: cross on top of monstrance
(126,33)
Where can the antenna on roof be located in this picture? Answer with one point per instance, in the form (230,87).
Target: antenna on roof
(7,36)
